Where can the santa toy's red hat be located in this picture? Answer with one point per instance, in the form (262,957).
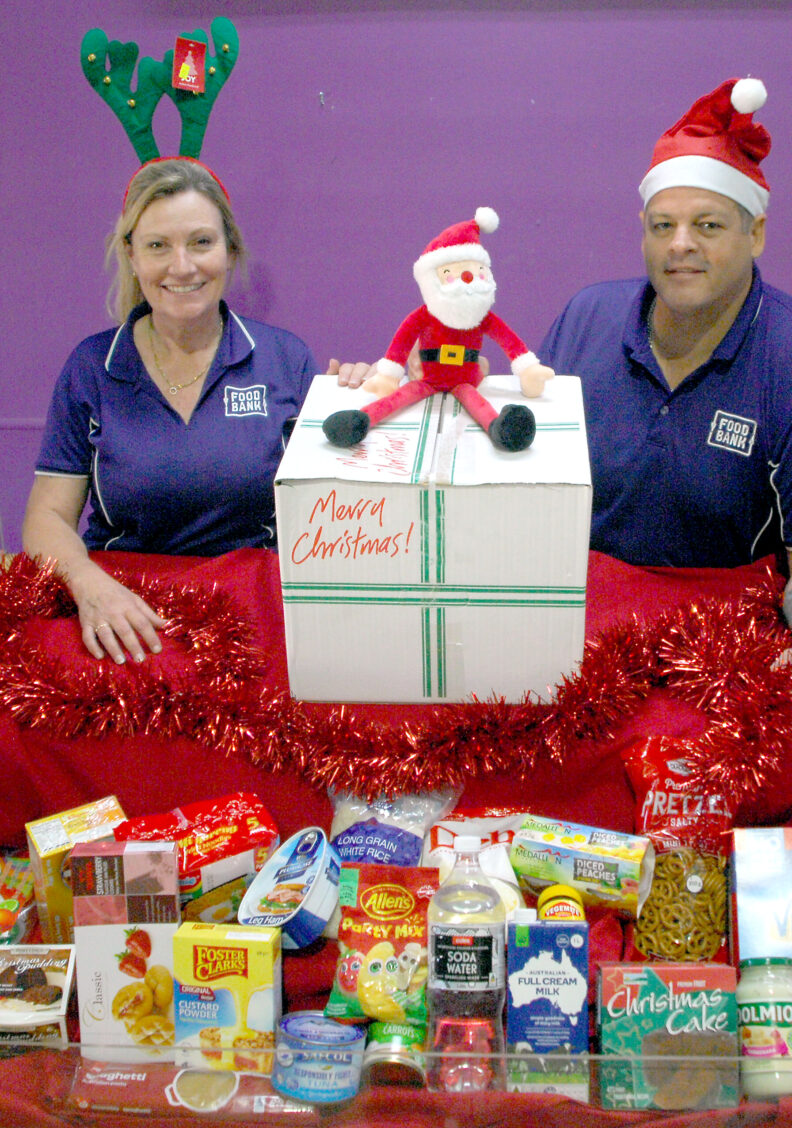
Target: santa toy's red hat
(717,146)
(458,243)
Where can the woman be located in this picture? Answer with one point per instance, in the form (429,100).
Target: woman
(174,423)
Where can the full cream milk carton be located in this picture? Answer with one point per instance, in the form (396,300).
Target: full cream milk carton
(547,1025)
(228,995)
(436,564)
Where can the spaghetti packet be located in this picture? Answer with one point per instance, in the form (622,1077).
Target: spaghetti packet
(382,955)
(684,916)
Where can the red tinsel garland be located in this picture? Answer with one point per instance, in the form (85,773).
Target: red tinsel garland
(718,655)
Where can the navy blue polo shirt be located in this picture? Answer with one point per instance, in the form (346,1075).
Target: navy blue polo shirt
(700,476)
(158,484)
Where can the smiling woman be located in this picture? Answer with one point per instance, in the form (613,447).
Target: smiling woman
(172,425)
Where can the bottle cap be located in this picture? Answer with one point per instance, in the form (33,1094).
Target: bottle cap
(466,843)
(560,902)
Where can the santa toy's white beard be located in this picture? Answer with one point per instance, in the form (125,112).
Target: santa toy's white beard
(458,304)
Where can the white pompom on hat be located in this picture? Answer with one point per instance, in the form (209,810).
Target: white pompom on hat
(716,145)
(459,242)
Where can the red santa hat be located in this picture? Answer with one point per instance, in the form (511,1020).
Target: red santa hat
(717,146)
(458,243)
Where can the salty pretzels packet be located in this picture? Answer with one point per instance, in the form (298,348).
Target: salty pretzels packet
(684,916)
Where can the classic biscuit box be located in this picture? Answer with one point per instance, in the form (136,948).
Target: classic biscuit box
(228,995)
(49,841)
(426,553)
(36,982)
(547,1005)
(760,903)
(126,910)
(648,1011)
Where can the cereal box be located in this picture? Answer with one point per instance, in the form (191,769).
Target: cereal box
(228,995)
(35,984)
(760,906)
(49,842)
(126,910)
(650,1011)
(605,866)
(546,1005)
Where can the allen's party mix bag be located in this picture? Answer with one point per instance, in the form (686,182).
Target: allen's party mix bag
(684,916)
(382,954)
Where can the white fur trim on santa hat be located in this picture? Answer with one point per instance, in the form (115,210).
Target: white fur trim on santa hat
(748,95)
(459,252)
(523,361)
(487,220)
(387,367)
(691,171)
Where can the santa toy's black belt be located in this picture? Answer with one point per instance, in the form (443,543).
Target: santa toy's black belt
(449,354)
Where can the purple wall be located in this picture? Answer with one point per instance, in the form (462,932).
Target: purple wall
(349,135)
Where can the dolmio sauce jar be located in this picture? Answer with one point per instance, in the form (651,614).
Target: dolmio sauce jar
(764,1016)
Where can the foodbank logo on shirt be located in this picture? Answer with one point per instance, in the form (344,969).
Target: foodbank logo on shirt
(245,401)
(732,432)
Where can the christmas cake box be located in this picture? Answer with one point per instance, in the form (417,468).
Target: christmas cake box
(760,903)
(685,1012)
(436,564)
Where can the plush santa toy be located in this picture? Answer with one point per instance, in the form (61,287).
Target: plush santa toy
(458,289)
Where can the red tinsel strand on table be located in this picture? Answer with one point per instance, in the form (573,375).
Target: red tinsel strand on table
(718,655)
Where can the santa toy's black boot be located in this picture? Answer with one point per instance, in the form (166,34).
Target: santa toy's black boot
(514,428)
(345,428)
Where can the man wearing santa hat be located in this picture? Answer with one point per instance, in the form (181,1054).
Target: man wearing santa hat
(687,375)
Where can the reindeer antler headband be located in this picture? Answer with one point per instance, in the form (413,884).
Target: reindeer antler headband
(135,108)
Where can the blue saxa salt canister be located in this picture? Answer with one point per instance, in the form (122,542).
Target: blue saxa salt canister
(316,1059)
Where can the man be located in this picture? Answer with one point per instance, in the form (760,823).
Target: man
(687,375)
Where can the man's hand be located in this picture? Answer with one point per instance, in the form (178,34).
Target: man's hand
(350,375)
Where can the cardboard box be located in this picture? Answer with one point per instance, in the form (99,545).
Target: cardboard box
(49,842)
(36,982)
(126,911)
(547,1006)
(760,901)
(650,1011)
(432,565)
(228,996)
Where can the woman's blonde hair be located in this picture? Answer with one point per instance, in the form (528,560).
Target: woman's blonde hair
(154,181)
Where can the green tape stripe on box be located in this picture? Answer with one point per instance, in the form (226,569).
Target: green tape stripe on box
(436,595)
(433,651)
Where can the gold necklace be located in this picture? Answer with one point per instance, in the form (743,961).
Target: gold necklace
(174,388)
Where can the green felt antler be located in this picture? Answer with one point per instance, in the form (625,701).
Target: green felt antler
(135,110)
(113,84)
(194,109)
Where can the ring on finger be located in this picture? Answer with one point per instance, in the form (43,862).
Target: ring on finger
(99,627)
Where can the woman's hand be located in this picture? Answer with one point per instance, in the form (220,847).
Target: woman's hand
(350,375)
(113,618)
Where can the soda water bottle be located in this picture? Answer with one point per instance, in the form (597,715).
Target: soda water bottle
(466,986)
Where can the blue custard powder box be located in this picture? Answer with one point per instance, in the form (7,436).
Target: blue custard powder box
(760,904)
(546,1004)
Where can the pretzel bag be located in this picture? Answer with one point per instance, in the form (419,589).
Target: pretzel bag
(684,916)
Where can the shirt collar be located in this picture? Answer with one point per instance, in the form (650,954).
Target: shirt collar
(636,330)
(123,360)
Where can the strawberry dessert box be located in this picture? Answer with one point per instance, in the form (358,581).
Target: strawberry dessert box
(126,911)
